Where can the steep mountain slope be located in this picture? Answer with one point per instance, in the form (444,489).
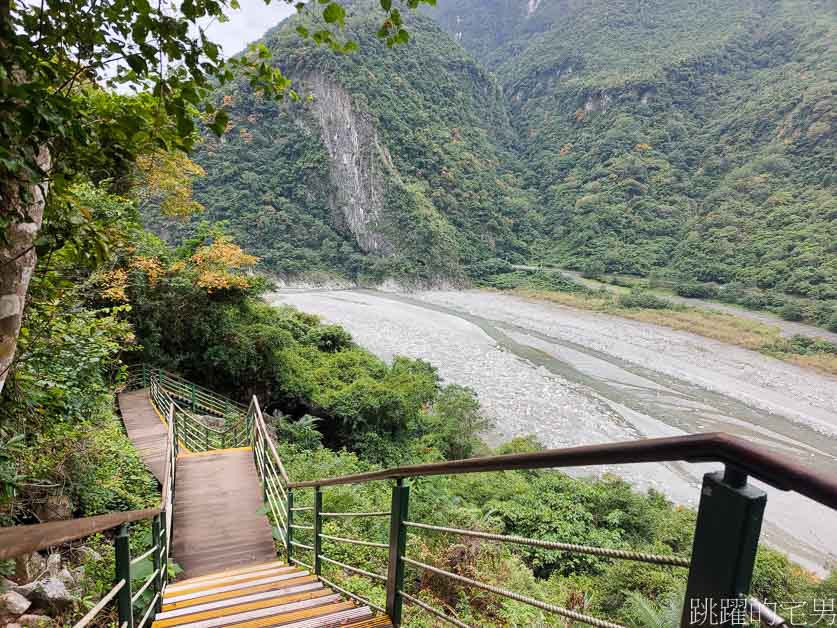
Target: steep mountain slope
(695,138)
(393,163)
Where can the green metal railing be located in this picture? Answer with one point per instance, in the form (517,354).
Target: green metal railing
(719,569)
(191,400)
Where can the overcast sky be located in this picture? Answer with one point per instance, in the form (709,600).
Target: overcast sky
(248,23)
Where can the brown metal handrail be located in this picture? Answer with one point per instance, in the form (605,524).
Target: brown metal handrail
(774,469)
(17,540)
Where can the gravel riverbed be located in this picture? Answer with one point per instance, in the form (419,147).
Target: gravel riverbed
(574,377)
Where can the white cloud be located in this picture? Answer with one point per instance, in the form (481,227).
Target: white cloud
(248,24)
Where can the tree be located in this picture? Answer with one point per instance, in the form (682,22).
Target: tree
(60,121)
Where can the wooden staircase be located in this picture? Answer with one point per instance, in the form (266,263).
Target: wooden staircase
(257,596)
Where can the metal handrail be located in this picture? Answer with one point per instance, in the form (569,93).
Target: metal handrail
(25,539)
(776,470)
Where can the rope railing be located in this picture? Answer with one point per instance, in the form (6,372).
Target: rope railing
(656,559)
(718,555)
(517,597)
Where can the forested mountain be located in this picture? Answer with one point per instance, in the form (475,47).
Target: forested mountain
(394,162)
(688,139)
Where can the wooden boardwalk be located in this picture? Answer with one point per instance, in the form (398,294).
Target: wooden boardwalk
(145,429)
(224,543)
(217,523)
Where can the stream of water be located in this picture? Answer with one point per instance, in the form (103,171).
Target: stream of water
(572,377)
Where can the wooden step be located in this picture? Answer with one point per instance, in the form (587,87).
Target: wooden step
(275,597)
(228,577)
(276,581)
(232,591)
(250,610)
(230,572)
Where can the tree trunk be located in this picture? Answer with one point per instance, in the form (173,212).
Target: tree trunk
(18,257)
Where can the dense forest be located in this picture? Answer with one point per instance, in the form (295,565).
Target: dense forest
(148,210)
(693,143)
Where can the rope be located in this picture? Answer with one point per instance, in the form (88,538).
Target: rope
(368,574)
(356,598)
(656,559)
(433,611)
(552,608)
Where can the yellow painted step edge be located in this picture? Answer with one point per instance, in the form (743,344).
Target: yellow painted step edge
(239,593)
(239,579)
(231,572)
(240,608)
(317,611)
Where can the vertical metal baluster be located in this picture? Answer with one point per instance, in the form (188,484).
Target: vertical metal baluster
(397,545)
(724,549)
(289,519)
(123,572)
(158,579)
(318,524)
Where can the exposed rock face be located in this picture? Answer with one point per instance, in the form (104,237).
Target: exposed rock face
(29,566)
(55,508)
(12,603)
(358,162)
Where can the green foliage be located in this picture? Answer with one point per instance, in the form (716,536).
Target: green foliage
(694,290)
(455,423)
(791,311)
(643,299)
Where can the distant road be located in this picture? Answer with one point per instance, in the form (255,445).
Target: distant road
(786,328)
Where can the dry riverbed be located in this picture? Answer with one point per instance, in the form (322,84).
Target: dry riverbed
(574,377)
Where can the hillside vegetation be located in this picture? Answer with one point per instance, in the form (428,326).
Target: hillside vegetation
(692,142)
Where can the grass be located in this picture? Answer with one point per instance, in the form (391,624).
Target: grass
(721,326)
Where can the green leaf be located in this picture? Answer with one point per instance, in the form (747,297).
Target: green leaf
(220,122)
(386,5)
(334,13)
(303,32)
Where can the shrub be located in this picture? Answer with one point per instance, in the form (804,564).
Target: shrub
(831,325)
(791,311)
(328,338)
(644,300)
(592,269)
(694,290)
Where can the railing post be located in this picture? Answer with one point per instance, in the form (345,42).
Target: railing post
(158,579)
(318,524)
(724,550)
(206,437)
(144,375)
(289,518)
(397,545)
(192,391)
(164,555)
(123,572)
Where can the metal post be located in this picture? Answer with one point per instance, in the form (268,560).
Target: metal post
(164,554)
(157,541)
(724,550)
(318,525)
(192,387)
(123,572)
(145,375)
(206,437)
(289,518)
(397,545)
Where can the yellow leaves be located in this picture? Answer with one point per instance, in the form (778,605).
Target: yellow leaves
(566,149)
(214,265)
(150,266)
(245,135)
(114,284)
(166,178)
(642,147)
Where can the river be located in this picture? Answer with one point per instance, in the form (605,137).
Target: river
(573,377)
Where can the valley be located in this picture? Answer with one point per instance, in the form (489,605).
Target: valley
(571,377)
